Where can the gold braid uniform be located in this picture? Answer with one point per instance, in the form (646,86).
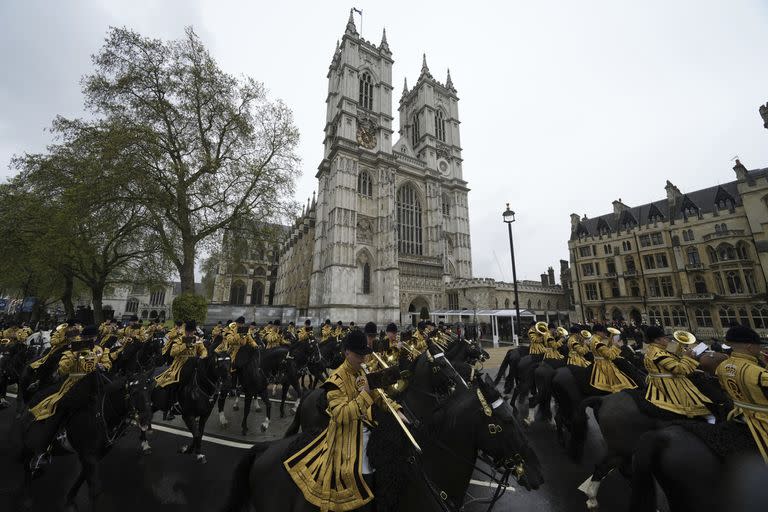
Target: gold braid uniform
(181,352)
(74,365)
(174,334)
(325,333)
(292,330)
(576,351)
(10,335)
(420,342)
(328,471)
(217,329)
(305,333)
(275,339)
(668,385)
(552,349)
(605,375)
(232,343)
(537,344)
(746,382)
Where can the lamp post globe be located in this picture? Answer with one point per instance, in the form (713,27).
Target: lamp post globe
(509,217)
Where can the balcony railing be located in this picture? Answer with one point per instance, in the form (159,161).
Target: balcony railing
(723,234)
(630,273)
(694,266)
(698,297)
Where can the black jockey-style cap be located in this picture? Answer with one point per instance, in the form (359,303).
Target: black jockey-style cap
(421,325)
(370,328)
(291,323)
(351,324)
(218,323)
(743,334)
(240,320)
(357,342)
(328,321)
(307,322)
(598,328)
(654,332)
(252,324)
(391,327)
(276,323)
(89,331)
(190,325)
(574,329)
(178,323)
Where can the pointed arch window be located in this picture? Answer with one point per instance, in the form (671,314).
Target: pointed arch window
(699,284)
(445,205)
(257,293)
(693,256)
(366,91)
(366,278)
(132,306)
(415,136)
(237,293)
(440,126)
(409,235)
(364,184)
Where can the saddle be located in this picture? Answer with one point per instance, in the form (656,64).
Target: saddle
(650,410)
(725,440)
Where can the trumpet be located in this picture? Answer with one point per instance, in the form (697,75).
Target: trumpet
(392,410)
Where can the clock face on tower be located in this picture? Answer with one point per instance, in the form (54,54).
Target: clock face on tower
(366,137)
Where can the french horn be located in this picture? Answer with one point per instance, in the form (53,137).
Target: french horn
(585,334)
(562,331)
(541,328)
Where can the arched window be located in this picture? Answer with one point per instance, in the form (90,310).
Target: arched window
(726,252)
(719,284)
(678,317)
(629,262)
(445,204)
(727,316)
(157,297)
(237,293)
(364,184)
(634,288)
(506,303)
(415,136)
(742,251)
(132,305)
(723,228)
(259,271)
(366,91)
(144,313)
(734,282)
(654,316)
(497,303)
(366,278)
(409,220)
(153,314)
(712,255)
(240,270)
(749,277)
(538,304)
(693,256)
(703,317)
(760,317)
(440,125)
(257,293)
(699,284)
(529,304)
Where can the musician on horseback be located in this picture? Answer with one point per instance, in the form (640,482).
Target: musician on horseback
(577,348)
(183,348)
(275,336)
(669,387)
(333,471)
(538,347)
(175,333)
(82,357)
(305,333)
(746,381)
(552,346)
(606,376)
(234,338)
(326,332)
(339,331)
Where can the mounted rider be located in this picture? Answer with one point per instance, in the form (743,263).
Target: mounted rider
(746,382)
(606,376)
(326,332)
(577,349)
(183,348)
(175,333)
(235,337)
(669,387)
(552,345)
(538,347)
(131,333)
(305,333)
(83,357)
(333,471)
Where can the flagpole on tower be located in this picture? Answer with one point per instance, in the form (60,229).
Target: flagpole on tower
(360,12)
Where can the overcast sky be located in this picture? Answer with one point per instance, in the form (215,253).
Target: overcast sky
(565,106)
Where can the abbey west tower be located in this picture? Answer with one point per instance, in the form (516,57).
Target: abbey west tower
(391,225)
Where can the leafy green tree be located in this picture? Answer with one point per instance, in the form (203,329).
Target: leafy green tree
(213,148)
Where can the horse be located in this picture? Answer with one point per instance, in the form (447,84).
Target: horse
(308,362)
(475,420)
(201,380)
(138,356)
(508,368)
(88,421)
(692,475)
(13,360)
(466,351)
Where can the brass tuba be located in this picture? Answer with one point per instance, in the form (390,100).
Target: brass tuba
(61,327)
(541,328)
(684,337)
(613,331)
(562,331)
(585,334)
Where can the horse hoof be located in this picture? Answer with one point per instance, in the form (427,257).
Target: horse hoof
(200,458)
(145,448)
(184,449)
(264,427)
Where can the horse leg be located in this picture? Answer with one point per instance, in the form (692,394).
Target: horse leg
(235,379)
(258,403)
(191,424)
(89,473)
(591,485)
(295,406)
(246,411)
(146,449)
(268,404)
(223,423)
(197,442)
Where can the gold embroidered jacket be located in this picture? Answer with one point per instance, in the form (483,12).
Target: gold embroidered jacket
(576,351)
(537,344)
(668,385)
(181,352)
(326,332)
(552,347)
(746,382)
(605,375)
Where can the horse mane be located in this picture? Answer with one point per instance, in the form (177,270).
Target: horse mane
(388,451)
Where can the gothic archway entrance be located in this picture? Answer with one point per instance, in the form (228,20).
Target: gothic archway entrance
(636,316)
(617,315)
(417,309)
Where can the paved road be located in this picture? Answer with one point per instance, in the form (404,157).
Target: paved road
(167,481)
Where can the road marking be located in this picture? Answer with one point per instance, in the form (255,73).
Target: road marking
(247,446)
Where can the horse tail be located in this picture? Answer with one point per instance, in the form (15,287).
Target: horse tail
(580,423)
(239,490)
(646,458)
(293,428)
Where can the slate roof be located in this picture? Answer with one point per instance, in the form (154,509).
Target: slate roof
(704,200)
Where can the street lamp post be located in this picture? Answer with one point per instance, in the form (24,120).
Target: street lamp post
(509,218)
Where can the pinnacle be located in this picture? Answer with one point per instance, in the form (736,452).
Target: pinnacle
(405,86)
(449,82)
(351,29)
(424,67)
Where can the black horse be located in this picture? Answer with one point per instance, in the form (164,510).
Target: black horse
(473,420)
(201,380)
(13,361)
(89,419)
(508,368)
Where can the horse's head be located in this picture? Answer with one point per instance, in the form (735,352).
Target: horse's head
(221,366)
(502,438)
(474,352)
(433,372)
(138,389)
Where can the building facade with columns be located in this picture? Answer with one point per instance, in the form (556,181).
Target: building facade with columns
(694,261)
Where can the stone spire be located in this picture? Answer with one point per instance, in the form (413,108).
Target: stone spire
(405,86)
(424,68)
(351,29)
(314,201)
(449,82)
(384,45)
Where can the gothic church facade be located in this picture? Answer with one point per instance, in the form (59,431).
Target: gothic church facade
(389,227)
